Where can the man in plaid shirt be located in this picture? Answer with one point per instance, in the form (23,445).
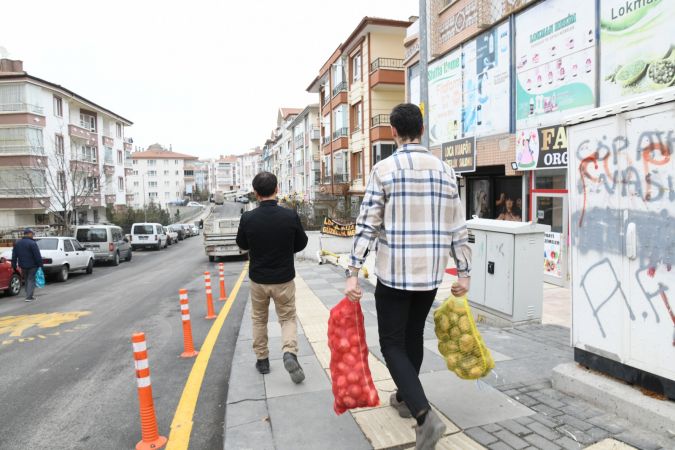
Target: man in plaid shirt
(412,209)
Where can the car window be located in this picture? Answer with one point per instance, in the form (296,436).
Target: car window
(117,235)
(67,246)
(142,229)
(92,235)
(77,246)
(48,244)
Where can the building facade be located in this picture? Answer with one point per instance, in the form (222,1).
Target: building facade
(160,176)
(249,165)
(306,160)
(358,86)
(226,171)
(63,158)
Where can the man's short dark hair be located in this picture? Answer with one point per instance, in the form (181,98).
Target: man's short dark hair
(408,121)
(264,184)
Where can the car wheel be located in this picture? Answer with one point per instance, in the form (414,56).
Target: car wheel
(63,274)
(90,266)
(159,246)
(129,254)
(116,260)
(14,285)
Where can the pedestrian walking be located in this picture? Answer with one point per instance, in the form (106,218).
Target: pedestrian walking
(412,210)
(26,254)
(272,235)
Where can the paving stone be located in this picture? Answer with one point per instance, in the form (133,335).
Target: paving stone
(611,423)
(249,385)
(509,386)
(254,435)
(640,440)
(576,434)
(541,443)
(511,439)
(491,427)
(481,436)
(548,401)
(526,400)
(568,443)
(524,420)
(547,421)
(511,392)
(544,431)
(597,434)
(576,423)
(515,428)
(278,382)
(458,441)
(581,413)
(275,346)
(540,385)
(499,446)
(545,409)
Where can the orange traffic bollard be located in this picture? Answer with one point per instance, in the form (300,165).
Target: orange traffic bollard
(210,313)
(150,438)
(223,292)
(188,345)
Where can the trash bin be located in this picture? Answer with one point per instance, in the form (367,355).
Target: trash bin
(507,276)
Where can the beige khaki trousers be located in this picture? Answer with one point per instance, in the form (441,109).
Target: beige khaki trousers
(284,302)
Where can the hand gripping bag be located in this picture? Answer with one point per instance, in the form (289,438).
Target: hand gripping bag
(40,278)
(459,341)
(353,385)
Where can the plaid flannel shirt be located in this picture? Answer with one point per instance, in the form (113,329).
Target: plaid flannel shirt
(412,209)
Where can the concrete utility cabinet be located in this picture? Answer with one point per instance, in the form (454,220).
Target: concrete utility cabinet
(506,278)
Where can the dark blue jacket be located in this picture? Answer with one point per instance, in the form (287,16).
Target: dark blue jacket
(27,252)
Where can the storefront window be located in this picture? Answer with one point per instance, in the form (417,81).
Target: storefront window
(550,179)
(495,197)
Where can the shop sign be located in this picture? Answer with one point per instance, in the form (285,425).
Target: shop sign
(552,257)
(460,154)
(555,61)
(637,43)
(543,148)
(487,83)
(445,99)
(334,228)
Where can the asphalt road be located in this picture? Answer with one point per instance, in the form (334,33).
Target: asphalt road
(72,385)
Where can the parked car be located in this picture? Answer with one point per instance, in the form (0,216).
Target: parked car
(10,281)
(188,230)
(178,229)
(148,235)
(106,241)
(194,228)
(195,204)
(242,199)
(171,236)
(62,255)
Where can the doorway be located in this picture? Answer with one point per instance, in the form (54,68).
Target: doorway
(551,209)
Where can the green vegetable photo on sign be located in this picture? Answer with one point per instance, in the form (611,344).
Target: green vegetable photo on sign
(637,42)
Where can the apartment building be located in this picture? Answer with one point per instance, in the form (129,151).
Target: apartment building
(199,176)
(227,177)
(63,158)
(306,153)
(249,165)
(358,86)
(159,176)
(281,151)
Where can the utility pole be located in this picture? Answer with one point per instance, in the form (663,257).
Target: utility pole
(424,70)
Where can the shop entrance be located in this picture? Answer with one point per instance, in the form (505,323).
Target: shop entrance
(494,196)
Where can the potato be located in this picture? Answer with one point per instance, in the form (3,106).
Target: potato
(454,318)
(442,336)
(453,347)
(466,343)
(459,308)
(455,332)
(464,324)
(451,360)
(476,372)
(446,347)
(444,323)
(469,363)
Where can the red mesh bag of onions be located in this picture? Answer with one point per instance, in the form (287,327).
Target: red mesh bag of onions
(353,385)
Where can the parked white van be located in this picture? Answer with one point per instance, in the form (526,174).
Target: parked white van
(106,241)
(148,235)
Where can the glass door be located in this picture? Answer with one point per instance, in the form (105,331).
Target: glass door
(551,209)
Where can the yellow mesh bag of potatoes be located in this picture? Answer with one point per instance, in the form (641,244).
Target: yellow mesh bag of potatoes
(459,341)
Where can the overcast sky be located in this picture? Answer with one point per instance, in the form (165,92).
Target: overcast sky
(206,77)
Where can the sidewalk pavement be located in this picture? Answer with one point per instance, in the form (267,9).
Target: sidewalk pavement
(514,407)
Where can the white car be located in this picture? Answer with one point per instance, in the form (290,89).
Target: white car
(171,236)
(148,235)
(195,204)
(62,255)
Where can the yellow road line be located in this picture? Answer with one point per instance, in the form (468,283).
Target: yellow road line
(181,426)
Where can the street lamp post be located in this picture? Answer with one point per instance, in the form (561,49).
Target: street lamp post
(424,70)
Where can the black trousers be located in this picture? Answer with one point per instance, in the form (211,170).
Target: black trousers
(400,322)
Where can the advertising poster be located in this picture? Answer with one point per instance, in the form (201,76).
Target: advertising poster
(541,148)
(552,258)
(555,61)
(637,41)
(487,84)
(460,154)
(445,99)
(414,84)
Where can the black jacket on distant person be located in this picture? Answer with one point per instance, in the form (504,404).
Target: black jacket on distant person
(26,253)
(272,235)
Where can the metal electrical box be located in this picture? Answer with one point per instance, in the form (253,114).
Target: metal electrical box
(506,275)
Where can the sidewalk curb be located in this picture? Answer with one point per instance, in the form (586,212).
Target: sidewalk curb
(616,397)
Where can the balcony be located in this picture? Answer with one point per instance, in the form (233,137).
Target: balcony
(340,178)
(108,142)
(110,199)
(315,134)
(22,149)
(380,120)
(379,128)
(21,108)
(340,132)
(386,72)
(300,140)
(342,87)
(80,133)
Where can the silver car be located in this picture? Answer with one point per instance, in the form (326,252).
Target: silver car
(107,242)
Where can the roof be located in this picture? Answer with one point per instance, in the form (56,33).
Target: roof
(373,21)
(156,151)
(25,76)
(309,108)
(285,112)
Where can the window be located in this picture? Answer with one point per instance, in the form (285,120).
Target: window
(177,172)
(381,151)
(58,106)
(87,153)
(167,183)
(356,67)
(136,183)
(107,155)
(95,221)
(135,173)
(61,180)
(152,194)
(120,184)
(152,162)
(152,184)
(166,173)
(152,173)
(67,246)
(166,162)
(357,165)
(167,195)
(118,129)
(58,144)
(357,117)
(134,162)
(189,173)
(175,161)
(91,183)
(87,121)
(120,157)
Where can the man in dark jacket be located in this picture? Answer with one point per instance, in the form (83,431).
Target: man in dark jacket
(27,254)
(272,235)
